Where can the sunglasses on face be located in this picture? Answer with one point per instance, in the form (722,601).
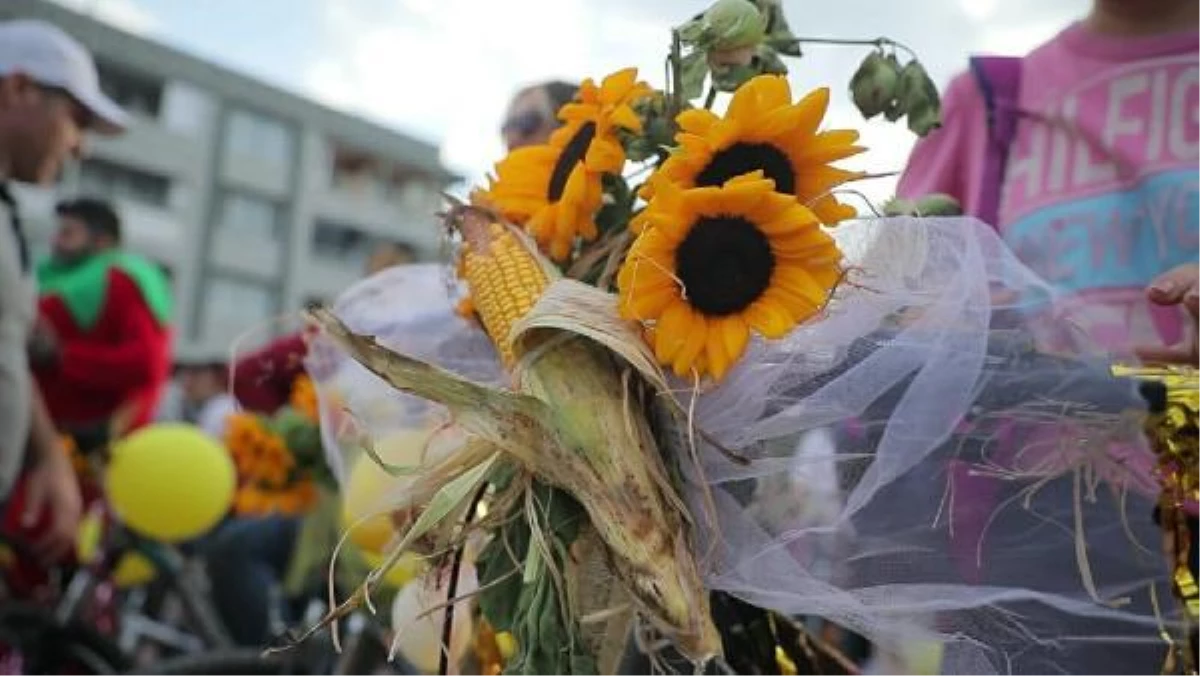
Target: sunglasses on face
(524,124)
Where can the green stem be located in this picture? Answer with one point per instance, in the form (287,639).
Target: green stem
(711,97)
(877,42)
(676,101)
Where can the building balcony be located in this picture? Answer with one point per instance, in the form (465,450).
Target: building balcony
(247,255)
(149,146)
(411,221)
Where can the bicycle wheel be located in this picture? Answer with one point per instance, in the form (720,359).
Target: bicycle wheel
(32,638)
(234,661)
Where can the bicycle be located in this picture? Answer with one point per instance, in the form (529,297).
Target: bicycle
(52,614)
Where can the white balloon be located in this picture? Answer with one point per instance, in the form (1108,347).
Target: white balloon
(419,640)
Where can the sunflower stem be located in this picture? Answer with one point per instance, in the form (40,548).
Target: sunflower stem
(877,42)
(676,60)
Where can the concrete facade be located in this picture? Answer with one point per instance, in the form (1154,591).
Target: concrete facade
(254,199)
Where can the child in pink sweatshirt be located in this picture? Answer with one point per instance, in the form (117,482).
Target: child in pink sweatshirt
(1096,186)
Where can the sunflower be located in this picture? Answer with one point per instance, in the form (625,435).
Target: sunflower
(555,190)
(763,131)
(715,262)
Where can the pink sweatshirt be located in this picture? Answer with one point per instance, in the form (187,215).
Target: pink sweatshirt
(1100,194)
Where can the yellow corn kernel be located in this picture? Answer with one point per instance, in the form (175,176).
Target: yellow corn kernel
(504,275)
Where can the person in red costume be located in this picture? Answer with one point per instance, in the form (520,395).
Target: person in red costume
(102,344)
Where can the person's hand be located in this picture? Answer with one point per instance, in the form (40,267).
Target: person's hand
(1179,286)
(52,490)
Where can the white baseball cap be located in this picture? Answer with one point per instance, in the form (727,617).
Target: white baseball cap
(49,56)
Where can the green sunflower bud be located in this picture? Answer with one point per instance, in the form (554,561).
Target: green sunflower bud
(924,118)
(914,88)
(734,24)
(874,84)
(779,34)
(899,207)
(893,111)
(939,204)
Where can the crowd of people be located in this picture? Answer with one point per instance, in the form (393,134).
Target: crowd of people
(1068,181)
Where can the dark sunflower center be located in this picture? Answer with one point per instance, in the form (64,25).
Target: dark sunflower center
(725,264)
(572,155)
(743,158)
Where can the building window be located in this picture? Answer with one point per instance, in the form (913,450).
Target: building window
(187,109)
(244,214)
(340,242)
(137,93)
(236,302)
(112,181)
(258,136)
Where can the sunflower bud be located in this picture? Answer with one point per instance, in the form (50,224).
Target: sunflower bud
(734,24)
(874,85)
(910,89)
(924,118)
(938,204)
(918,97)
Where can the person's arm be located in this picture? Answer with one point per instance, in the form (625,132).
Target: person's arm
(950,159)
(43,435)
(15,403)
(126,364)
(52,490)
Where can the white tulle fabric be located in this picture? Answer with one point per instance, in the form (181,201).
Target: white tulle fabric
(920,472)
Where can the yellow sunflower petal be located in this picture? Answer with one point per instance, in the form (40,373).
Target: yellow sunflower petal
(759,94)
(588,91)
(769,318)
(648,304)
(692,347)
(786,219)
(671,330)
(605,156)
(798,308)
(811,110)
(831,211)
(734,336)
(779,126)
(623,116)
(692,145)
(696,121)
(618,85)
(796,280)
(716,360)
(830,146)
(773,91)
(577,112)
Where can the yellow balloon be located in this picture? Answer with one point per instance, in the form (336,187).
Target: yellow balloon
(408,567)
(368,485)
(170,482)
(133,570)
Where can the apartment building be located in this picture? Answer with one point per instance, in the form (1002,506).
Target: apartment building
(253,199)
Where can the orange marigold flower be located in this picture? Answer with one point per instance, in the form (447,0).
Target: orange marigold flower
(304,397)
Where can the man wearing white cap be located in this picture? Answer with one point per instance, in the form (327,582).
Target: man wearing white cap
(49,97)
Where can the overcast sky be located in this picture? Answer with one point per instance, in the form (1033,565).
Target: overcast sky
(444,69)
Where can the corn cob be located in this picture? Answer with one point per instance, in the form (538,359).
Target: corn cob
(570,422)
(605,441)
(503,275)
